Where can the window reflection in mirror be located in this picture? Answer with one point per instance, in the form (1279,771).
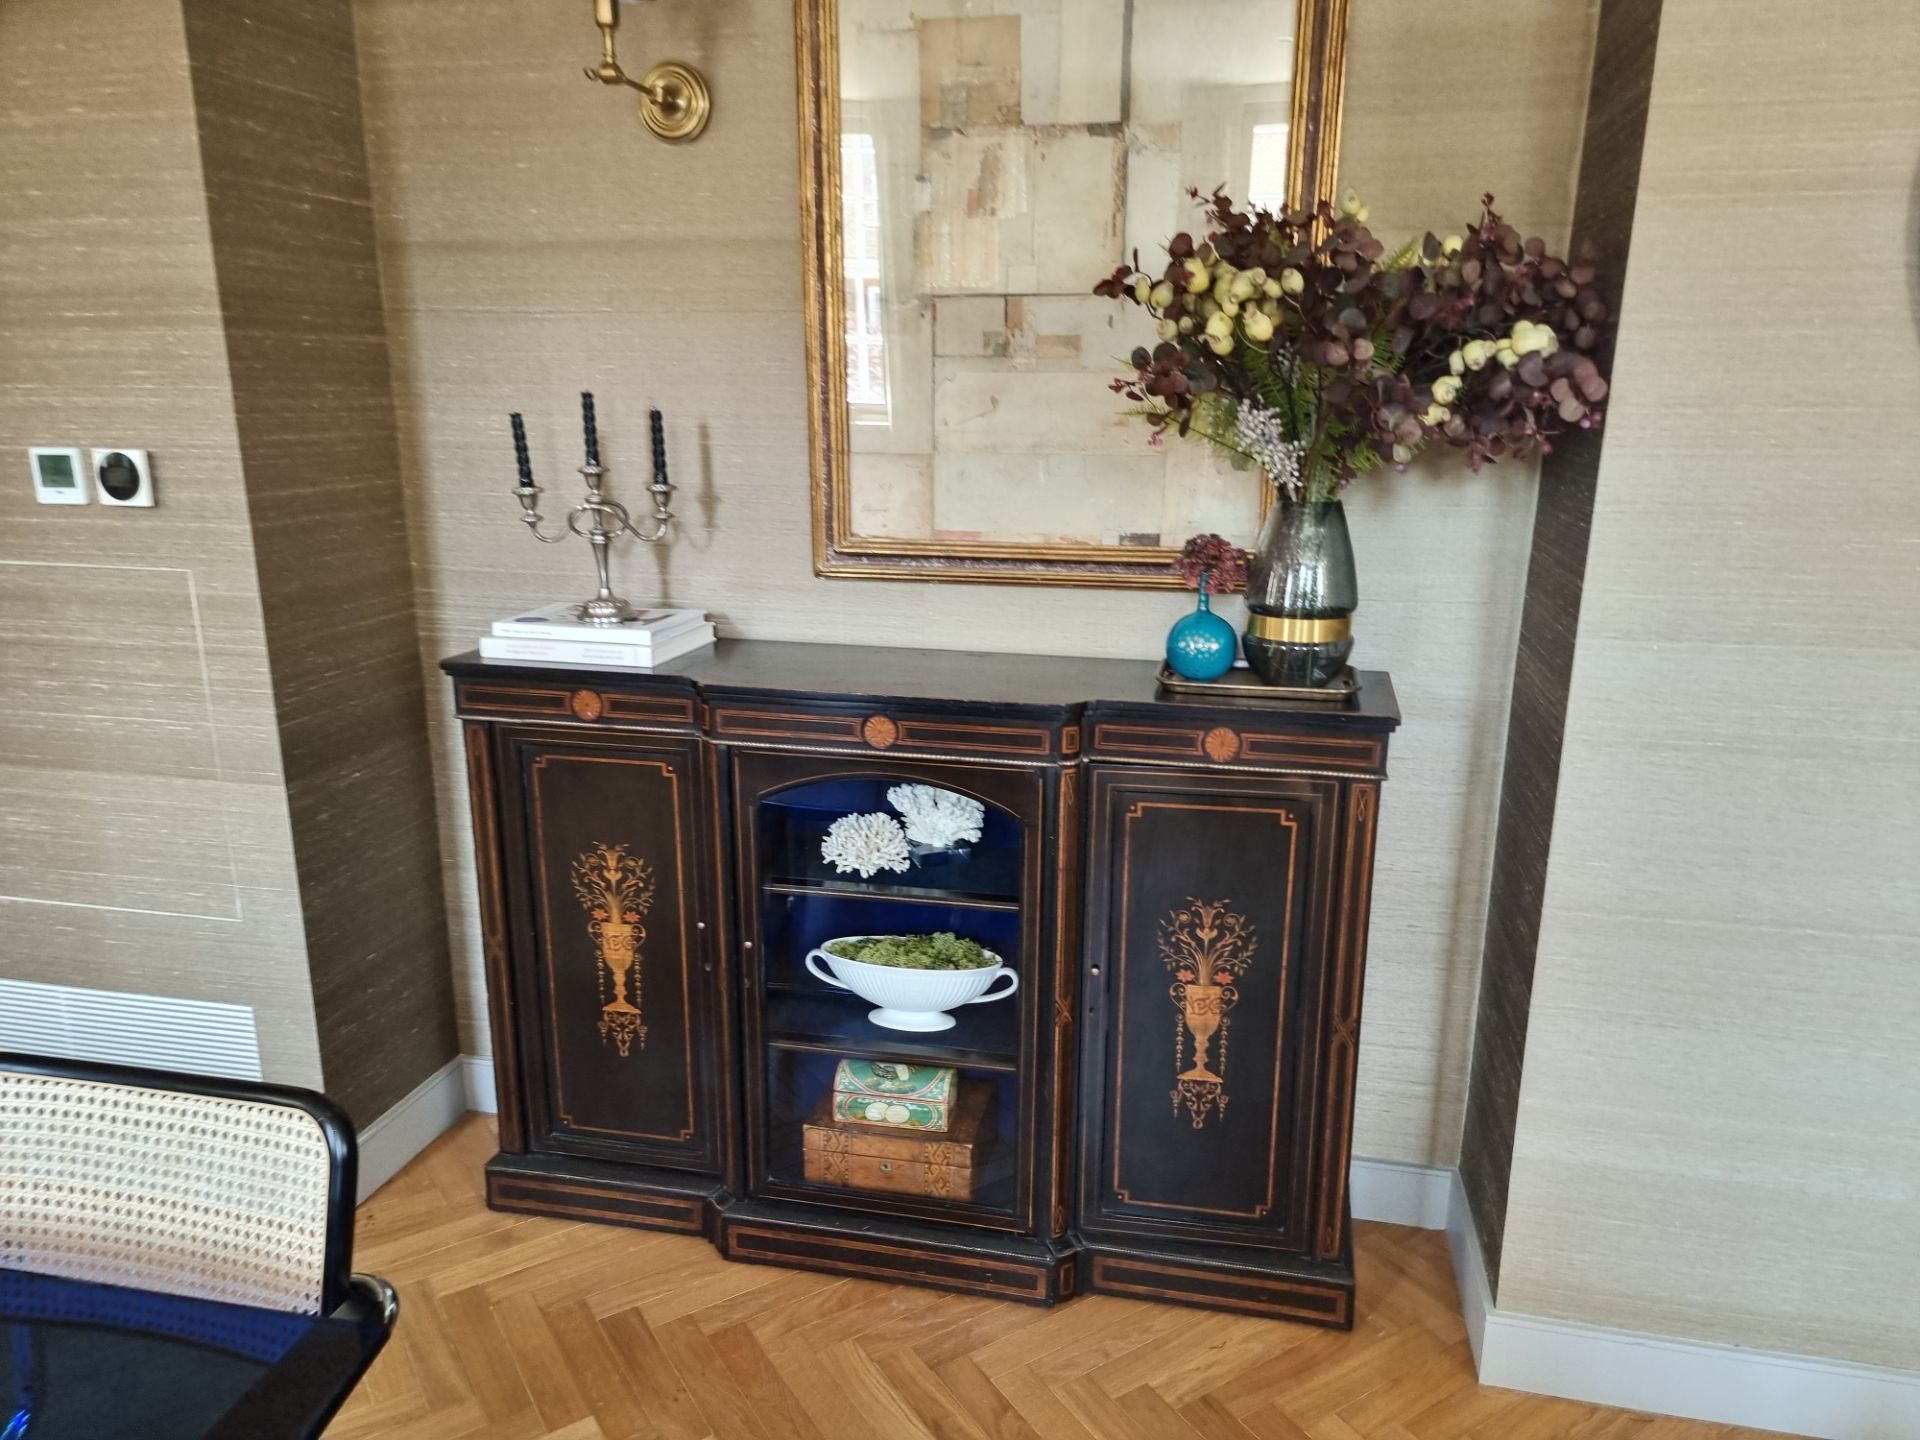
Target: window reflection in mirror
(865,281)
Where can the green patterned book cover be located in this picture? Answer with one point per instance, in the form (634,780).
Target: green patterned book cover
(877,1092)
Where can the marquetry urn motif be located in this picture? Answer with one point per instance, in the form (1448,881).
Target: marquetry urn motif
(617,891)
(1207,947)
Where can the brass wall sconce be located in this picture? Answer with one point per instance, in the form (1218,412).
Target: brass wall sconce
(674,100)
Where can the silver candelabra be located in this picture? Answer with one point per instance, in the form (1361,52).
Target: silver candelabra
(597,519)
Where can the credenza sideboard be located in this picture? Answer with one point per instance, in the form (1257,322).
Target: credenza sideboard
(1163,1108)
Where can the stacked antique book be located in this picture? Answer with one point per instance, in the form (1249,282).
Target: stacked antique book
(912,1129)
(553,634)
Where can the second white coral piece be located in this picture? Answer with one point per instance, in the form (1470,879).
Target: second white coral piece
(937,817)
(863,844)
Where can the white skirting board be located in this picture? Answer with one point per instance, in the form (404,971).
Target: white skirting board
(389,1142)
(1396,1193)
(1761,1389)
(481,1095)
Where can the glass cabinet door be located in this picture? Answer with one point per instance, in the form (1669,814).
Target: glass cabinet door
(894,1095)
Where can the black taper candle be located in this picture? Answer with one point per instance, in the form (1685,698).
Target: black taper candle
(659,447)
(520,450)
(593,430)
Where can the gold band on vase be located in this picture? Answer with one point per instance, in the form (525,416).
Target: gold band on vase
(1286,630)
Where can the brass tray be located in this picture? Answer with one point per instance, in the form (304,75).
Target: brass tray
(1337,691)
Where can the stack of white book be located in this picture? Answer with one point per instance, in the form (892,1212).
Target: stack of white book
(554,635)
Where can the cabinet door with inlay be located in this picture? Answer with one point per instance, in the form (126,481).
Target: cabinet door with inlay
(614,964)
(1207,896)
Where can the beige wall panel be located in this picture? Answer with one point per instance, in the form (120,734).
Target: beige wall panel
(111,769)
(1716,1134)
(110,334)
(535,241)
(117,842)
(238,962)
(113,654)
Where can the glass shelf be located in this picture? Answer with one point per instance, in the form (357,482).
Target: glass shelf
(878,890)
(985,1037)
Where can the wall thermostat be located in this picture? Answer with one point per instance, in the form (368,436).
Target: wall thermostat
(59,475)
(124,477)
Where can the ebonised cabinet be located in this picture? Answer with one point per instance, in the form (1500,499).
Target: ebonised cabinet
(1181,887)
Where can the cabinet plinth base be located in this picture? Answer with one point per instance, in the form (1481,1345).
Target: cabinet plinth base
(1253,1282)
(573,1189)
(1010,1267)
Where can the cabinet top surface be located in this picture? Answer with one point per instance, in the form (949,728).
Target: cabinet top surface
(864,672)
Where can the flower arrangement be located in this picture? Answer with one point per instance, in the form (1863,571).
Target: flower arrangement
(1295,343)
(1211,565)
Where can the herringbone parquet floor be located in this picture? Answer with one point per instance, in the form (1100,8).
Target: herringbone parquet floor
(524,1329)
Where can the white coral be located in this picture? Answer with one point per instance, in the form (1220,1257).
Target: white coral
(863,844)
(937,817)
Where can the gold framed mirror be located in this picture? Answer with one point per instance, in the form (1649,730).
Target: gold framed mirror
(969,169)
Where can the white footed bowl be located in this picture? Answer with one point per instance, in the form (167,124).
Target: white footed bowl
(911,999)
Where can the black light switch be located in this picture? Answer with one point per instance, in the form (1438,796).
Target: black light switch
(119,476)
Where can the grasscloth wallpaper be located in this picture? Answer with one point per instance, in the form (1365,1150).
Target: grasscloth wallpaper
(1717,1133)
(286,178)
(145,843)
(535,242)
(214,778)
(1625,41)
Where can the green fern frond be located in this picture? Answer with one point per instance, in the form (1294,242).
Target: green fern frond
(1216,420)
(1365,458)
(1405,257)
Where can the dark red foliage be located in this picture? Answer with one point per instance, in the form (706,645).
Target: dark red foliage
(1383,331)
(1218,564)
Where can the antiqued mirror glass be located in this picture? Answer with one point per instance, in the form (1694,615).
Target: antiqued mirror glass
(971,168)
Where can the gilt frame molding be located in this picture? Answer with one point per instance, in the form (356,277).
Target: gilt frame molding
(1319,85)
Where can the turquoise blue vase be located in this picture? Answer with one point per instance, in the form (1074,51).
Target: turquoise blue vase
(1201,646)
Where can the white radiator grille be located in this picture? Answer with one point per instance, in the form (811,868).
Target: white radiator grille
(159,1032)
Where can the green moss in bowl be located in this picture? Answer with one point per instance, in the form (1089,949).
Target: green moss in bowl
(942,950)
